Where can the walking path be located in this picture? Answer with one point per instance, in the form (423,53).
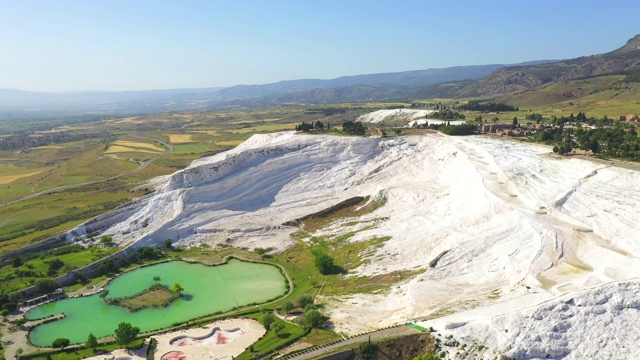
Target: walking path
(398,331)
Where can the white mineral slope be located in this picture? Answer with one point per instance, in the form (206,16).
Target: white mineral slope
(595,323)
(514,223)
(510,224)
(403,115)
(243,196)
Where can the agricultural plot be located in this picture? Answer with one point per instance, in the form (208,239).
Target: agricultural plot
(180,138)
(7,179)
(132,146)
(265,128)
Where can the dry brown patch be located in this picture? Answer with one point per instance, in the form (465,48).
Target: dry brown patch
(48,147)
(208,132)
(157,296)
(135,144)
(11,178)
(124,149)
(180,138)
(230,142)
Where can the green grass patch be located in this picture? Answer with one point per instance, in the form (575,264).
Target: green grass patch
(418,327)
(260,128)
(270,341)
(38,267)
(320,336)
(77,354)
(191,148)
(39,218)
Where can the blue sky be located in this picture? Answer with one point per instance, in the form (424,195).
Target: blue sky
(60,45)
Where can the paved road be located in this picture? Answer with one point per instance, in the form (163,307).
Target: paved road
(380,334)
(67,187)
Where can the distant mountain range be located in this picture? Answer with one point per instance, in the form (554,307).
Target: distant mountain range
(398,85)
(408,79)
(530,83)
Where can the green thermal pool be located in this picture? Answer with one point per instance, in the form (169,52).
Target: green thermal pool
(207,289)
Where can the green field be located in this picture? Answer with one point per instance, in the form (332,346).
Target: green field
(34,269)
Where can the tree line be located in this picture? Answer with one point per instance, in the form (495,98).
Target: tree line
(620,140)
(306,127)
(446,114)
(476,105)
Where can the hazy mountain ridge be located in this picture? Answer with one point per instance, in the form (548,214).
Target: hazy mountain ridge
(520,78)
(383,86)
(406,82)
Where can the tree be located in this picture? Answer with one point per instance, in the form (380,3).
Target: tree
(46,286)
(60,343)
(595,146)
(353,128)
(313,318)
(168,244)
(126,333)
(156,279)
(149,253)
(367,349)
(17,261)
(324,263)
(55,265)
(104,294)
(304,300)
(268,319)
(427,357)
(91,342)
(177,289)
(276,328)
(288,306)
(106,240)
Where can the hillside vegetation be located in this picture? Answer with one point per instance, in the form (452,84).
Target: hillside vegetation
(612,76)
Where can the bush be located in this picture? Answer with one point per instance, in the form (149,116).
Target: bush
(60,343)
(44,286)
(368,350)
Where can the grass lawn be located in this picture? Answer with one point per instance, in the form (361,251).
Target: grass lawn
(259,127)
(35,269)
(270,341)
(191,148)
(72,354)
